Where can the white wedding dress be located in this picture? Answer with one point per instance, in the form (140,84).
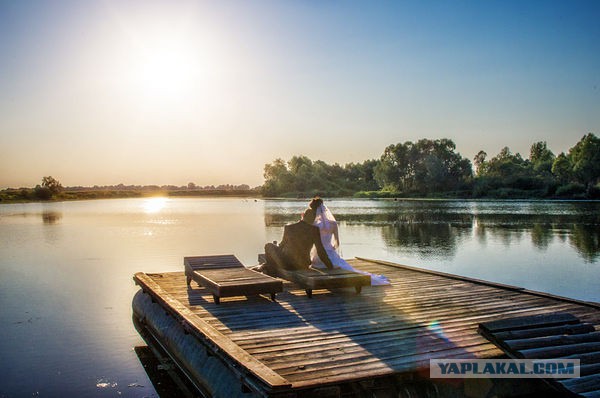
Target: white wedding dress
(329,236)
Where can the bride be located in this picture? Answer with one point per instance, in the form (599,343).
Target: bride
(331,241)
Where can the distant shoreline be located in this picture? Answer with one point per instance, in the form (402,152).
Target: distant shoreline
(11,196)
(18,196)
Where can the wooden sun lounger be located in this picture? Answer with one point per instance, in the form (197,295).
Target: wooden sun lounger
(311,278)
(226,276)
(556,335)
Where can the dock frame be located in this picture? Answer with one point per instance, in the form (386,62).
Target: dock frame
(339,343)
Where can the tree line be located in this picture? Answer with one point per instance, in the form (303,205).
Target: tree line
(426,168)
(52,189)
(433,168)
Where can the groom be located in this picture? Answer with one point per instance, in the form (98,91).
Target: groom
(293,253)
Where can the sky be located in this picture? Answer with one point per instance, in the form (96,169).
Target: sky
(105,92)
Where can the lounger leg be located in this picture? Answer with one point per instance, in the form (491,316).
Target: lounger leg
(309,293)
(188,280)
(273,296)
(216,298)
(358,289)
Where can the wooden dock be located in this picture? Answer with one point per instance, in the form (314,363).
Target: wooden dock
(339,343)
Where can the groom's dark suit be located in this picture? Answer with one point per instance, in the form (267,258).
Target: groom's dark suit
(294,250)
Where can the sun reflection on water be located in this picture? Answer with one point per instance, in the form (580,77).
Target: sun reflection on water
(154,205)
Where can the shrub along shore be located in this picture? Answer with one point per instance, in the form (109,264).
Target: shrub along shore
(18,196)
(23,195)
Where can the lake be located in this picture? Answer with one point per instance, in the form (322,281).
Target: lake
(66,268)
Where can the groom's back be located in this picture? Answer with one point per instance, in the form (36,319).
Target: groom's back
(298,239)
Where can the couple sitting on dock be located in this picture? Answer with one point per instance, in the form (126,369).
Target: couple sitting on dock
(312,242)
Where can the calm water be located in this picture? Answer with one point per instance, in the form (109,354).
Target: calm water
(66,268)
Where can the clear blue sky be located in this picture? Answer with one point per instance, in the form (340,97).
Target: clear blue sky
(163,92)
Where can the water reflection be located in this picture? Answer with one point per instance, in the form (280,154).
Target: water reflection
(154,205)
(586,239)
(437,228)
(427,240)
(51,217)
(542,235)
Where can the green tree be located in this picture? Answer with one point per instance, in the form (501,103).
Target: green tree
(302,176)
(393,170)
(426,166)
(52,184)
(562,168)
(585,159)
(479,162)
(540,153)
(507,174)
(50,187)
(506,165)
(541,159)
(361,176)
(278,178)
(42,193)
(367,175)
(296,162)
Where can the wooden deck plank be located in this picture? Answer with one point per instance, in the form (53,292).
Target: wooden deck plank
(255,334)
(558,351)
(398,304)
(466,318)
(273,321)
(545,332)
(371,367)
(338,336)
(523,344)
(196,324)
(281,319)
(546,320)
(382,350)
(340,340)
(584,384)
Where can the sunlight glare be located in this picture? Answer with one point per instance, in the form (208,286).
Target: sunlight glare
(154,205)
(166,71)
(167,66)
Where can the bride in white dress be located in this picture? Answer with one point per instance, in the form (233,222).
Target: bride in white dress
(328,228)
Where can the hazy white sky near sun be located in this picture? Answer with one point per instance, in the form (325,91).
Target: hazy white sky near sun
(170,92)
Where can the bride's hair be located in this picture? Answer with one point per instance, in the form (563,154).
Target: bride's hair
(315,203)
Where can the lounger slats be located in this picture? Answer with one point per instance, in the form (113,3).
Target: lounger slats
(218,261)
(313,278)
(226,276)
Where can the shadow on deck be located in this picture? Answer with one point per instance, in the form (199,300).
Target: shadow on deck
(353,345)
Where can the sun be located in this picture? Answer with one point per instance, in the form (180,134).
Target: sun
(165,70)
(163,63)
(162,70)
(169,68)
